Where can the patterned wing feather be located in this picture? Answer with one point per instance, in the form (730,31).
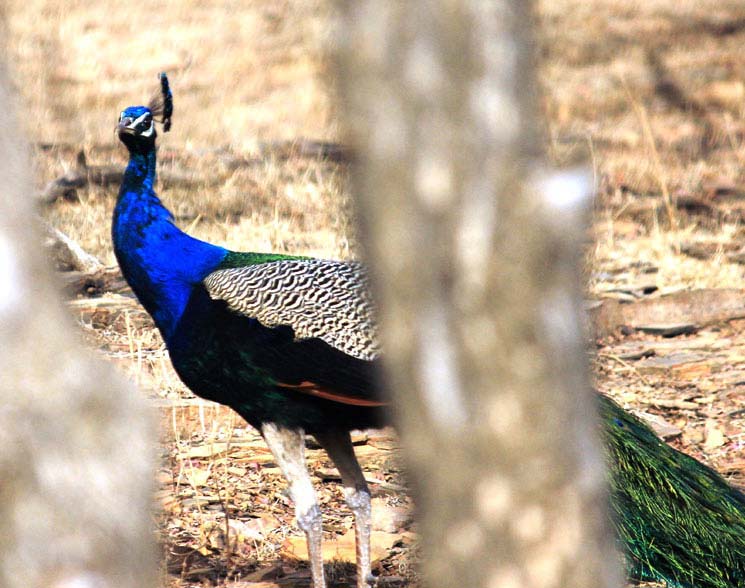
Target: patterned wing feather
(328,300)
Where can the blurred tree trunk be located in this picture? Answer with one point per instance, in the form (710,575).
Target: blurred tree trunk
(75,441)
(476,252)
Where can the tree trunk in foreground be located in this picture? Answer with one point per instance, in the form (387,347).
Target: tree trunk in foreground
(76,457)
(476,252)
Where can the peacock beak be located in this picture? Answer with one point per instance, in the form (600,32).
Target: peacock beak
(123,128)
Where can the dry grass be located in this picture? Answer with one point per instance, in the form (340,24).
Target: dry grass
(244,72)
(603,90)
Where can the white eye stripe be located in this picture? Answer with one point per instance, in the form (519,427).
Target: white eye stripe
(139,119)
(149,131)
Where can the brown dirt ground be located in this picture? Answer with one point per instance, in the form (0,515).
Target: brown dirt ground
(651,93)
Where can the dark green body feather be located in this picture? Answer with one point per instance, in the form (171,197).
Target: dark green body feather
(677,519)
(234,259)
(236,360)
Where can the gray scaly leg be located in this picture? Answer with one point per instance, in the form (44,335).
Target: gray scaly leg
(338,445)
(288,448)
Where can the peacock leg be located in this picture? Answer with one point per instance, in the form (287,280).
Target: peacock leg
(338,445)
(288,448)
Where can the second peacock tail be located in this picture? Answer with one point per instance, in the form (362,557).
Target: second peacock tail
(290,343)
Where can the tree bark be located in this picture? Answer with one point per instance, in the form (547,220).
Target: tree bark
(475,249)
(77,445)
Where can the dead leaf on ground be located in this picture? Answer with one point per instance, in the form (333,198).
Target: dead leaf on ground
(343,548)
(713,435)
(698,307)
(242,584)
(664,429)
(388,518)
(196,476)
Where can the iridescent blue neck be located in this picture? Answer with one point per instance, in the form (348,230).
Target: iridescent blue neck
(140,173)
(163,265)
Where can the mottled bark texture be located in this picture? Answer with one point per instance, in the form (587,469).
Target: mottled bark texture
(76,444)
(476,252)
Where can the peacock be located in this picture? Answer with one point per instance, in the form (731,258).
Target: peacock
(290,343)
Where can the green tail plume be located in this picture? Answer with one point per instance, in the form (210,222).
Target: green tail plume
(678,521)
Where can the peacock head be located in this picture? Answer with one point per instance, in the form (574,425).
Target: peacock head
(136,128)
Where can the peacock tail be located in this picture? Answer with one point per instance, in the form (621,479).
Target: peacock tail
(677,520)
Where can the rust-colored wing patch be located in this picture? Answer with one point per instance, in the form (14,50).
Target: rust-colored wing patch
(316,390)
